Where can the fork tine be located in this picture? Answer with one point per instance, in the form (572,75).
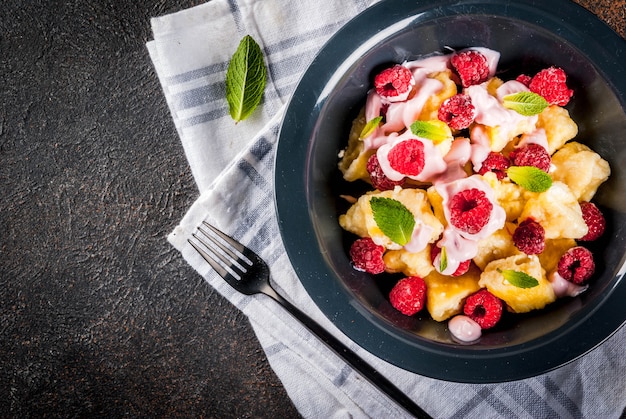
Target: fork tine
(214,264)
(234,257)
(250,257)
(225,264)
(232,242)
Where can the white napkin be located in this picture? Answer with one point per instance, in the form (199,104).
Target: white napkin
(232,165)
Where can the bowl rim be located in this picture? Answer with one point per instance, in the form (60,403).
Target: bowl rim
(435,360)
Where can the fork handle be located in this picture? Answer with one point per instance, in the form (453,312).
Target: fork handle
(365,369)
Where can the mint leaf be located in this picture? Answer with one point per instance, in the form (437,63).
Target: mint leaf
(436,131)
(369,128)
(530,178)
(519,279)
(525,103)
(245,79)
(393,218)
(443,259)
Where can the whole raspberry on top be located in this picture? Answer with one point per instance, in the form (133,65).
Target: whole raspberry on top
(524,79)
(378,178)
(470,210)
(408,296)
(463,266)
(394,83)
(529,237)
(407,157)
(531,155)
(594,219)
(576,265)
(367,256)
(457,111)
(471,67)
(484,308)
(551,84)
(496,163)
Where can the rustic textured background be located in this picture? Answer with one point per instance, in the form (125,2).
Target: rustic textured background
(99,316)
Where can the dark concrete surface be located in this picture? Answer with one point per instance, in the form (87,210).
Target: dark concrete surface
(99,316)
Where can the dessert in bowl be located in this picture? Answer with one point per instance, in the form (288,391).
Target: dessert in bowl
(309,184)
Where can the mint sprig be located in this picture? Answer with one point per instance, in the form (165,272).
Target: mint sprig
(443,259)
(436,131)
(530,178)
(369,128)
(519,279)
(393,218)
(525,103)
(245,79)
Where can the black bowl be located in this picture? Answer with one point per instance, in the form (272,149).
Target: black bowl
(530,36)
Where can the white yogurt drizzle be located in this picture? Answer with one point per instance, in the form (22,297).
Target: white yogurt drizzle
(434,163)
(459,154)
(464,328)
(563,288)
(422,234)
(538,136)
(491,112)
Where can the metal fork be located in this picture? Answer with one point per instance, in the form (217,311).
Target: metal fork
(246,272)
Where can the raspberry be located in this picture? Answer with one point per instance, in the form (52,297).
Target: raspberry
(576,265)
(550,83)
(594,219)
(367,256)
(531,155)
(496,163)
(524,79)
(394,82)
(529,237)
(457,111)
(463,266)
(408,295)
(470,210)
(484,308)
(407,157)
(383,111)
(471,67)
(378,178)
